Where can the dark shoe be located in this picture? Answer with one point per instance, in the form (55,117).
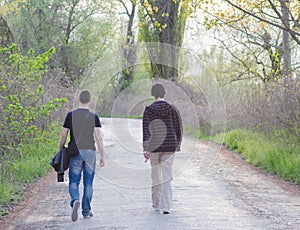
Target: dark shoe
(74,215)
(89,215)
(166,212)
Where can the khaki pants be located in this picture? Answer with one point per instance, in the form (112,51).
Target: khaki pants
(161,174)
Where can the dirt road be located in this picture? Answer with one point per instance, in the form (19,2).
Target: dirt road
(212,189)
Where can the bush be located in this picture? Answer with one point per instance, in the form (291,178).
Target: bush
(32,162)
(23,107)
(21,102)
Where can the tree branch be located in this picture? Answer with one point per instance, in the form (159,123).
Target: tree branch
(293,33)
(125,7)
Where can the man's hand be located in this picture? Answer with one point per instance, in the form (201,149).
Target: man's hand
(147,156)
(99,141)
(102,162)
(63,137)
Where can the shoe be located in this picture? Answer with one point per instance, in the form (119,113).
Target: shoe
(89,215)
(156,208)
(165,211)
(74,215)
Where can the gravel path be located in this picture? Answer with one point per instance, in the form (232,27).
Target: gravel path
(212,189)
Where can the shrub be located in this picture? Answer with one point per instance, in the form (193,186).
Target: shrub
(32,162)
(21,103)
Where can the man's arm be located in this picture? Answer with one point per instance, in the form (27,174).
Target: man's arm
(63,137)
(146,134)
(178,126)
(99,141)
(146,131)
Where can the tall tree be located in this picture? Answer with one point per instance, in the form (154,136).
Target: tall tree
(129,51)
(74,27)
(164,22)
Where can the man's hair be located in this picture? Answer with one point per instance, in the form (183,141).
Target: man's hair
(85,97)
(158,90)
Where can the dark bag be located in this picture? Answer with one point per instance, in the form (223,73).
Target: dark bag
(72,149)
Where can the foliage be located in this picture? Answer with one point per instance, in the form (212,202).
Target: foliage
(264,13)
(22,102)
(277,157)
(24,110)
(272,107)
(74,28)
(32,162)
(252,102)
(264,36)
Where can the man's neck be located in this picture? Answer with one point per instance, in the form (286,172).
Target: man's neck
(159,99)
(81,106)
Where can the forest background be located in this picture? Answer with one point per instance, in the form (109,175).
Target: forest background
(249,48)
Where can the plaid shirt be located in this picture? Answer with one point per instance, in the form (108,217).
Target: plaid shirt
(162,128)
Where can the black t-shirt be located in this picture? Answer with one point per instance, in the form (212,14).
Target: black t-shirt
(81,123)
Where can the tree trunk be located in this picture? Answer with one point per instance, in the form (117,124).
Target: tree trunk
(165,23)
(286,46)
(6,36)
(167,36)
(129,52)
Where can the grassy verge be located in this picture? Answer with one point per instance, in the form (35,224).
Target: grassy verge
(29,163)
(275,156)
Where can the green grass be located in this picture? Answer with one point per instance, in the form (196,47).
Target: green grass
(275,156)
(280,156)
(30,163)
(199,133)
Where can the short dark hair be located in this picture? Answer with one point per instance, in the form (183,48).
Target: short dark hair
(158,90)
(85,97)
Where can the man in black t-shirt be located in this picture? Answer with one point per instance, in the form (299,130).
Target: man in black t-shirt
(84,127)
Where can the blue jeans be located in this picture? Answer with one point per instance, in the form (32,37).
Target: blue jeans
(85,161)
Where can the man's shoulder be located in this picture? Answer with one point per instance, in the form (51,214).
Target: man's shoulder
(92,114)
(150,107)
(82,111)
(69,114)
(174,107)
(159,103)
(175,110)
